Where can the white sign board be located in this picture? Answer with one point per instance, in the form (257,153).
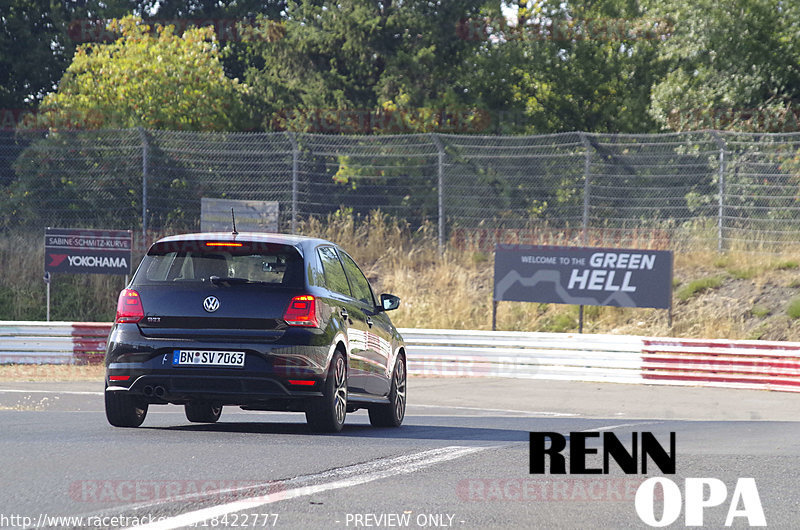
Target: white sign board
(251,216)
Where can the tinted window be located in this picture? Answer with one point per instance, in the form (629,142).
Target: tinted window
(279,265)
(358,282)
(335,278)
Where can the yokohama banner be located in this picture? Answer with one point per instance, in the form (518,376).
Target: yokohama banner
(77,251)
(583,276)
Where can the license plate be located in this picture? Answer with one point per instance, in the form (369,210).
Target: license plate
(208,358)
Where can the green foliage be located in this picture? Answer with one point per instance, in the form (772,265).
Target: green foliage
(698,286)
(63,175)
(398,61)
(479,258)
(514,67)
(559,323)
(574,66)
(743,273)
(87,298)
(722,262)
(592,311)
(727,60)
(37,43)
(757,333)
(760,311)
(787,265)
(200,9)
(793,309)
(153,79)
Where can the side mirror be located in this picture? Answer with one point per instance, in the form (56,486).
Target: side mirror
(389,302)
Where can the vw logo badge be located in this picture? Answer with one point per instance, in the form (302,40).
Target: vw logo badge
(211,304)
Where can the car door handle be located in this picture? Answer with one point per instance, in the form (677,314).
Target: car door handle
(369,321)
(345,314)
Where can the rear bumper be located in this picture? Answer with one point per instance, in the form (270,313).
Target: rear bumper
(142,366)
(224,390)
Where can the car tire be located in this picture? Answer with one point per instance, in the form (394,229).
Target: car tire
(392,414)
(124,410)
(327,414)
(202,412)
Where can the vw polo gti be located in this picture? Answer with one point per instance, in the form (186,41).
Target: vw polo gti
(259,321)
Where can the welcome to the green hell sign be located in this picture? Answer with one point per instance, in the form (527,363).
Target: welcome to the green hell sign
(584,276)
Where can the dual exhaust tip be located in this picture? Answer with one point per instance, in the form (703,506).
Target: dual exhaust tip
(158,391)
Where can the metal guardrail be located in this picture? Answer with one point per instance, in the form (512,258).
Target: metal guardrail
(459,353)
(571,357)
(737,364)
(52,342)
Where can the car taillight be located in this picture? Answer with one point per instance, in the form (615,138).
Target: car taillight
(129,307)
(302,382)
(302,311)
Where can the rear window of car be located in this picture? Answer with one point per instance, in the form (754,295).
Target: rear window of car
(192,261)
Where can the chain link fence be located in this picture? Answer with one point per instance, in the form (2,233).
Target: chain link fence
(709,189)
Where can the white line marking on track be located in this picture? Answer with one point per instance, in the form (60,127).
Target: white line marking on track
(411,405)
(609,427)
(528,412)
(343,478)
(74,392)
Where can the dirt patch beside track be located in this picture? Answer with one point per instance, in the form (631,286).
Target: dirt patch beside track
(51,372)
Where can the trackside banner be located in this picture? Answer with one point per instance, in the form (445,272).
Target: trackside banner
(583,276)
(78,251)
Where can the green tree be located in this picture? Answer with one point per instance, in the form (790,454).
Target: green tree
(577,65)
(36,44)
(153,79)
(162,9)
(733,64)
(365,55)
(222,13)
(38,38)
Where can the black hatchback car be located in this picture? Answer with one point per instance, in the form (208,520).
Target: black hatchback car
(260,321)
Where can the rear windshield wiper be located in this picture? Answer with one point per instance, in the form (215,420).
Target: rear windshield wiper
(216,280)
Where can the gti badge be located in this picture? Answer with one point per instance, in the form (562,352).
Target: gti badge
(211,304)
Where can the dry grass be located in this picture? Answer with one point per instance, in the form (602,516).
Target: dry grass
(756,298)
(50,372)
(454,289)
(74,297)
(451,290)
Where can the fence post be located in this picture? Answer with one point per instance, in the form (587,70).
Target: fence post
(295,162)
(587,183)
(440,168)
(721,191)
(145,156)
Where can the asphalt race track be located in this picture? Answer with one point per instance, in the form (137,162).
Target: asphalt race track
(460,460)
